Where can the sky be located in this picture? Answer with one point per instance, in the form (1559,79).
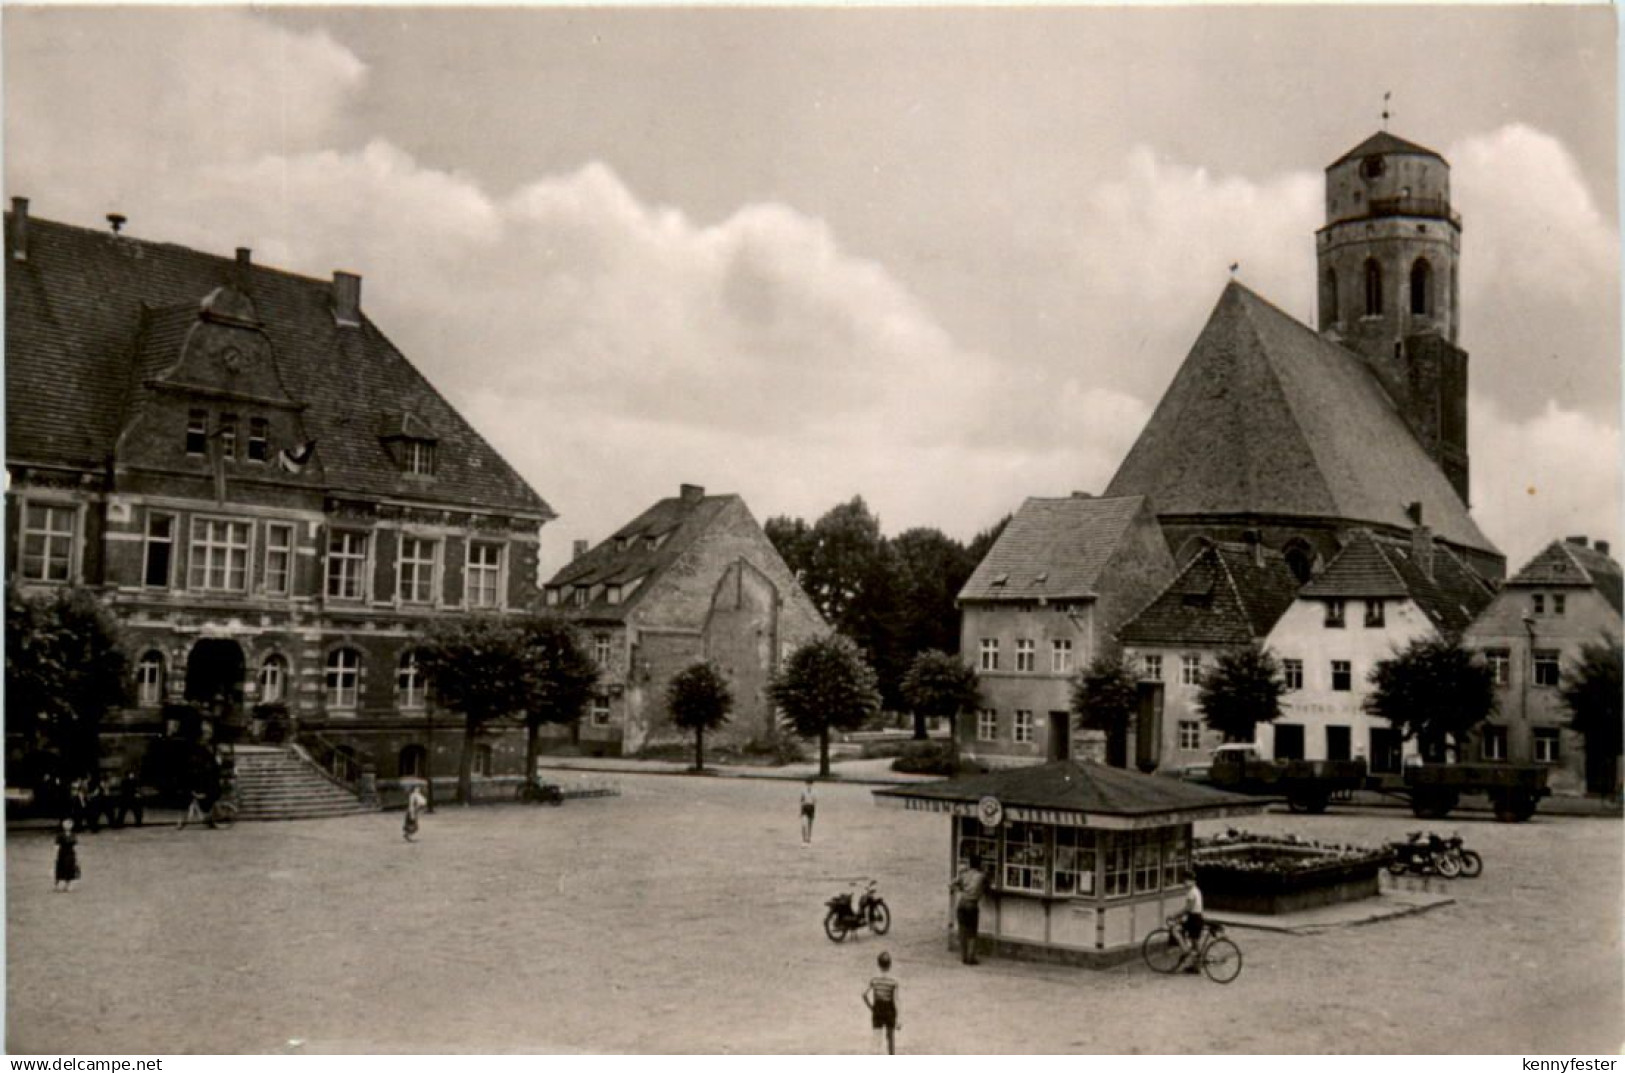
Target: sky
(943,258)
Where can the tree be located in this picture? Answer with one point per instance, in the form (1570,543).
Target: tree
(1434,691)
(491,667)
(825,685)
(1242,690)
(560,678)
(792,539)
(931,569)
(1105,697)
(699,699)
(1591,690)
(940,686)
(64,669)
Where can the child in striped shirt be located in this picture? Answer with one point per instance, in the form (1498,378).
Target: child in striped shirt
(881,998)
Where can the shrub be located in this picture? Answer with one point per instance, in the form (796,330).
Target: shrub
(778,751)
(932,758)
(877,750)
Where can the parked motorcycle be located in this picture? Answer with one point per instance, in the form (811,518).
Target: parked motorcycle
(870,912)
(1472,865)
(1426,855)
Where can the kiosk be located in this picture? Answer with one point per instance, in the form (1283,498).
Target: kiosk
(1084,860)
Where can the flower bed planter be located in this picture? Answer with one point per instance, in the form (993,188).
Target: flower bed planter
(1260,874)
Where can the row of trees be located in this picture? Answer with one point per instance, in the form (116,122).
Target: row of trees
(1435,692)
(893,596)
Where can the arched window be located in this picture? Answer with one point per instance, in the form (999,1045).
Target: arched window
(1328,300)
(409,680)
(413,762)
(1421,288)
(149,680)
(343,677)
(273,680)
(1373,289)
(1300,558)
(482,760)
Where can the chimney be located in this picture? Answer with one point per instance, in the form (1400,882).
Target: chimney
(19,229)
(691,493)
(245,264)
(1414,512)
(1577,541)
(117,220)
(347,299)
(1255,543)
(1422,549)
(578,548)
(1602,546)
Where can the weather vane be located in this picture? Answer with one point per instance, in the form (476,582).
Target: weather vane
(1385,98)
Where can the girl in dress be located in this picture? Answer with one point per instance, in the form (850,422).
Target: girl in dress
(415,803)
(67,857)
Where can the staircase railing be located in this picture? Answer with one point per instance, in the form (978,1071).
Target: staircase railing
(340,765)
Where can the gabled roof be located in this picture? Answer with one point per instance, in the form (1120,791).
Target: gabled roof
(640,551)
(1228,594)
(1381,144)
(1372,568)
(1566,565)
(1053,548)
(1267,417)
(91,316)
(1093,790)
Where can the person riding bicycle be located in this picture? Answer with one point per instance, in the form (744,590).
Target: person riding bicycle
(1190,919)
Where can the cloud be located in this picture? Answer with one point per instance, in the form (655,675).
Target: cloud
(1540,478)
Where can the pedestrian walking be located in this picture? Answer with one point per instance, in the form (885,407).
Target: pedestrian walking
(79,804)
(67,858)
(129,800)
(194,812)
(809,808)
(882,999)
(415,804)
(970,884)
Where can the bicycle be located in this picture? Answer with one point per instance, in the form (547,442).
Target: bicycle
(537,792)
(221,814)
(1218,956)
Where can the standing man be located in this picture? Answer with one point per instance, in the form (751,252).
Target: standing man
(970,883)
(129,799)
(809,806)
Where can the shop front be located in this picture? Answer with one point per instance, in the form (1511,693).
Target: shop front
(1084,860)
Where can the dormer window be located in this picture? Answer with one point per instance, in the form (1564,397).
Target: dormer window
(612,593)
(623,543)
(552,597)
(1373,167)
(579,595)
(418,457)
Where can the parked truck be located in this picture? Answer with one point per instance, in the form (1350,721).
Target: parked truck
(1433,790)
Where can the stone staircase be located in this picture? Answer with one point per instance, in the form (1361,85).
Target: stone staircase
(280,784)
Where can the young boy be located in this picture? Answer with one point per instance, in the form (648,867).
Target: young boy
(881,998)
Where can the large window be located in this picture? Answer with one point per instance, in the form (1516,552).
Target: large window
(1373,289)
(347,565)
(197,432)
(1546,667)
(987,725)
(1421,288)
(1500,663)
(483,756)
(601,650)
(1559,603)
(600,710)
(484,576)
(1334,614)
(973,841)
(1153,668)
(1190,734)
(278,559)
(1375,613)
(1074,861)
(1548,745)
(149,680)
(228,436)
(219,556)
(1060,657)
(259,433)
(1176,857)
(160,551)
(1342,676)
(48,542)
(1292,672)
(990,654)
(1118,857)
(1026,655)
(415,582)
(1493,742)
(1024,726)
(1147,861)
(343,678)
(1190,670)
(1026,857)
(273,680)
(409,680)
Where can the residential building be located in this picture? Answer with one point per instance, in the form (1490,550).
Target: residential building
(1567,596)
(269,496)
(1048,598)
(691,578)
(1302,436)
(1228,596)
(1370,602)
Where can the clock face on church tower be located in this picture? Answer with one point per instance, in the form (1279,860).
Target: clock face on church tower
(232,359)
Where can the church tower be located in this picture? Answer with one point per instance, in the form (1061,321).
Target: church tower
(1387,263)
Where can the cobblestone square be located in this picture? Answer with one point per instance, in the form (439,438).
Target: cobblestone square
(684,916)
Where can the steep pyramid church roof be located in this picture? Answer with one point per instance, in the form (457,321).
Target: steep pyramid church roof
(1381,144)
(1267,417)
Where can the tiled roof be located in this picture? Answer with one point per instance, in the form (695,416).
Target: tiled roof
(1374,568)
(1224,596)
(90,316)
(1267,417)
(1053,548)
(1382,143)
(1562,564)
(640,551)
(1077,786)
